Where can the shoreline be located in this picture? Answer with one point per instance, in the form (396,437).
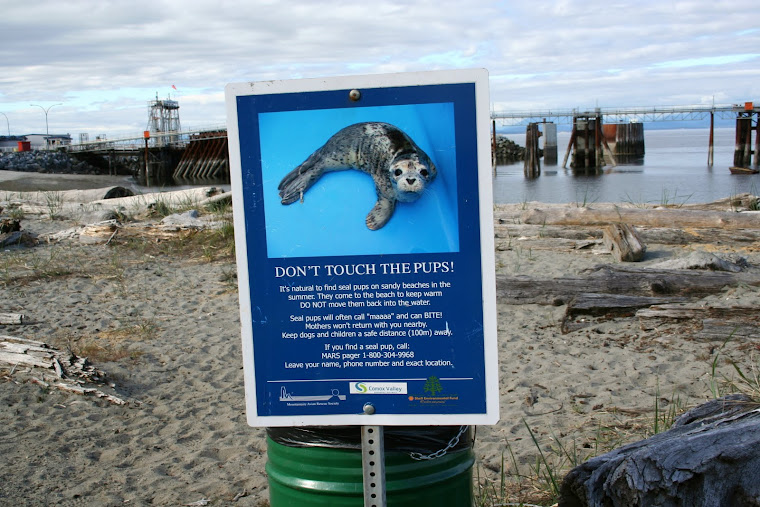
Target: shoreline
(156,309)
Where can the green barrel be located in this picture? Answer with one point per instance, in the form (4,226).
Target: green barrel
(312,476)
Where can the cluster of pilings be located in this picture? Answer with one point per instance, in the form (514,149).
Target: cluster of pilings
(626,140)
(586,141)
(205,158)
(156,165)
(744,127)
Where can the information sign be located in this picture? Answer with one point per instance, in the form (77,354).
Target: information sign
(364,238)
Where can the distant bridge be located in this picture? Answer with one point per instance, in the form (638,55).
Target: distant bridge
(625,115)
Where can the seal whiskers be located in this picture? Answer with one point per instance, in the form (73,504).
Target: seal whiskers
(400,170)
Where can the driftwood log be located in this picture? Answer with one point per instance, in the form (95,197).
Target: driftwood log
(11,318)
(641,217)
(66,371)
(624,242)
(624,280)
(741,322)
(710,457)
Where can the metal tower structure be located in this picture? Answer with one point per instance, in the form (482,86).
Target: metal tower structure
(163,118)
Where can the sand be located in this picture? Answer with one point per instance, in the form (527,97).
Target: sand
(163,324)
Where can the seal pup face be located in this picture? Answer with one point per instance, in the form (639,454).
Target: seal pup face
(409,177)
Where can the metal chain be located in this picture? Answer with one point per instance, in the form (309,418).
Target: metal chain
(440,452)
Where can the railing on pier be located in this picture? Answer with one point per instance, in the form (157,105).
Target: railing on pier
(626,115)
(175,139)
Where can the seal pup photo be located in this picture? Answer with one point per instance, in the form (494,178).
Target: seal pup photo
(400,169)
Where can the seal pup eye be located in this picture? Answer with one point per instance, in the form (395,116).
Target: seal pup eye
(424,172)
(398,172)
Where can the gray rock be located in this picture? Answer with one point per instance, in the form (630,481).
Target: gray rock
(710,458)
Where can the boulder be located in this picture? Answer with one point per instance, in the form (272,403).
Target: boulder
(709,457)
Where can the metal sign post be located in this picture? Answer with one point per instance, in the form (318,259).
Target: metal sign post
(373,466)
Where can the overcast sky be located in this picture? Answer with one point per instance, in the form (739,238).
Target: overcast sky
(104,60)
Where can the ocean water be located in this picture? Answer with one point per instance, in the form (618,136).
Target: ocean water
(674,171)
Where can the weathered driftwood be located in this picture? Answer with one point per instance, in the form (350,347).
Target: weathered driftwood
(69,370)
(11,318)
(705,260)
(624,242)
(587,216)
(708,322)
(626,280)
(671,236)
(554,244)
(511,231)
(710,457)
(609,305)
(649,235)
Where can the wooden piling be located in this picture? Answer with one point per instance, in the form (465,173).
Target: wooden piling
(587,151)
(204,159)
(493,145)
(757,140)
(531,164)
(743,145)
(570,146)
(710,141)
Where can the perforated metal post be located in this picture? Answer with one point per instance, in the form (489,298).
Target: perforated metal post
(373,466)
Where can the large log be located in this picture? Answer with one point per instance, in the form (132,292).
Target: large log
(741,322)
(587,216)
(615,305)
(710,457)
(632,281)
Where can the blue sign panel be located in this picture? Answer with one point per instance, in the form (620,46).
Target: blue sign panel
(364,236)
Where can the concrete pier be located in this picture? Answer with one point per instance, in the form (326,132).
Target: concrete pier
(549,130)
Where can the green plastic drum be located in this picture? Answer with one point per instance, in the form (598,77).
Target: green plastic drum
(312,476)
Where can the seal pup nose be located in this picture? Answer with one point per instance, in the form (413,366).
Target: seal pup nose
(411,180)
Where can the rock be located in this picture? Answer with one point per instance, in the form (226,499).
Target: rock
(44,161)
(117,192)
(507,151)
(709,457)
(186,219)
(704,260)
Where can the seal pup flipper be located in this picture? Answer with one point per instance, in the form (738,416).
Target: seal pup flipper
(299,180)
(380,213)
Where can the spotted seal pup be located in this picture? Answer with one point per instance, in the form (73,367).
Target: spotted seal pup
(400,169)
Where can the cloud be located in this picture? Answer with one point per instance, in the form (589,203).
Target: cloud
(105,59)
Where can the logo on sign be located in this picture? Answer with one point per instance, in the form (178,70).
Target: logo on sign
(377,388)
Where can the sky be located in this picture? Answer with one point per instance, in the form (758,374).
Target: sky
(94,65)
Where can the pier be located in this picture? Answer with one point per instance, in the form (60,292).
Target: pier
(166,153)
(594,144)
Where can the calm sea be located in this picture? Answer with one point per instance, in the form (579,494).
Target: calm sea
(674,171)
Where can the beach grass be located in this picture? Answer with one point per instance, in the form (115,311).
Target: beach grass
(538,483)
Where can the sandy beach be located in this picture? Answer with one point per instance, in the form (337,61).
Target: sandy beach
(155,308)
